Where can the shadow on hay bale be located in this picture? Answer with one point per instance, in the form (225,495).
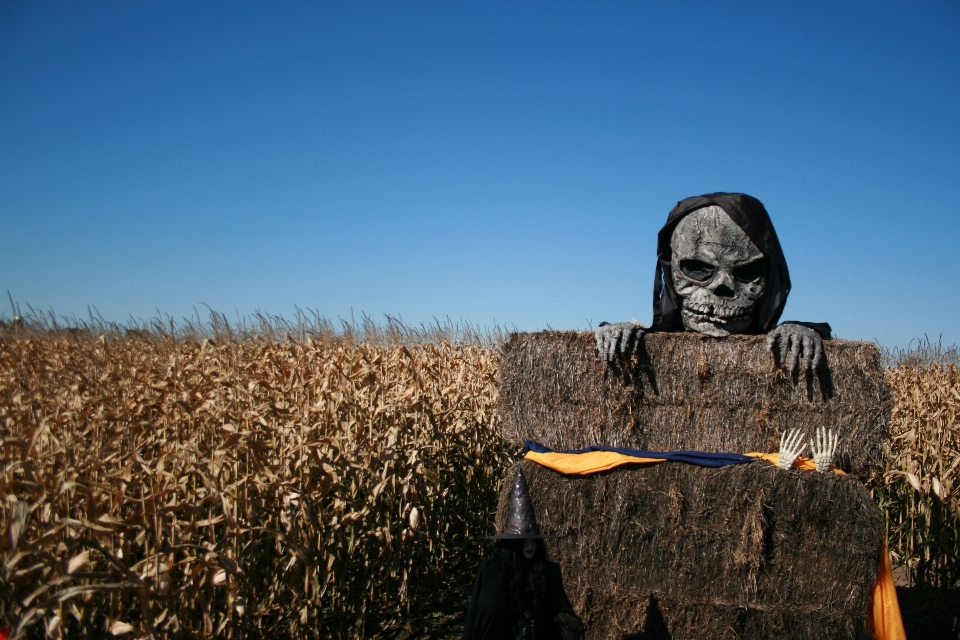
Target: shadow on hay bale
(677,551)
(689,391)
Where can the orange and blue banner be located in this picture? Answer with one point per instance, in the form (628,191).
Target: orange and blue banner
(605,456)
(583,462)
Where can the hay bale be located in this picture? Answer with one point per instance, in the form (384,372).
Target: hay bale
(689,391)
(677,551)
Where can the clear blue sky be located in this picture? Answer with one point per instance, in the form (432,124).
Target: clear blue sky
(491,162)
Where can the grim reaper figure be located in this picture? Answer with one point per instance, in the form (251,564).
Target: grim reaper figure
(721,271)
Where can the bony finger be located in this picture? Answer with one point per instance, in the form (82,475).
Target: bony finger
(807,354)
(770,341)
(627,344)
(794,353)
(817,353)
(797,440)
(636,341)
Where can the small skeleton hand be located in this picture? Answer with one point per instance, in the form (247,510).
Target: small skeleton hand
(823,448)
(623,337)
(799,346)
(791,446)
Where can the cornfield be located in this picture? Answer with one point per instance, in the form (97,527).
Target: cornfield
(268,486)
(919,488)
(255,488)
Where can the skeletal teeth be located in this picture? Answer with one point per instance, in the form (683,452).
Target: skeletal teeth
(717,311)
(731,312)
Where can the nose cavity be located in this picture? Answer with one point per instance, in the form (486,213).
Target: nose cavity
(723,285)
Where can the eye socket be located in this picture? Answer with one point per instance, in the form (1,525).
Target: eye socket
(697,270)
(750,272)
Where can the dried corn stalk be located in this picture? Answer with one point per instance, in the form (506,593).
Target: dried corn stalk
(920,487)
(245,489)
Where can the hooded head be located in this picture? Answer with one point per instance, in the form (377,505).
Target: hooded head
(767,295)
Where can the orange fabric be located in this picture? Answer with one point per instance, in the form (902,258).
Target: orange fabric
(583,464)
(887,622)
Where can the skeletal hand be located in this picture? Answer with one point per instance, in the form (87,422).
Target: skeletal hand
(798,344)
(622,337)
(824,448)
(791,446)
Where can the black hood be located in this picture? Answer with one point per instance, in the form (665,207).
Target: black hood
(749,214)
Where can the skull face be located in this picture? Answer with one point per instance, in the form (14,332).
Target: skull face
(718,272)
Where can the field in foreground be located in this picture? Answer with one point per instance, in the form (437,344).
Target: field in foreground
(289,488)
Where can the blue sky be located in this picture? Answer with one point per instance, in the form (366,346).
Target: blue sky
(492,162)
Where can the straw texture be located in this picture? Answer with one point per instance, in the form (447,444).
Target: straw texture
(677,551)
(688,391)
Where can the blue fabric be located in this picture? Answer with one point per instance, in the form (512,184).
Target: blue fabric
(699,458)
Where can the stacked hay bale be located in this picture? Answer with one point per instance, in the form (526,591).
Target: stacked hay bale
(678,551)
